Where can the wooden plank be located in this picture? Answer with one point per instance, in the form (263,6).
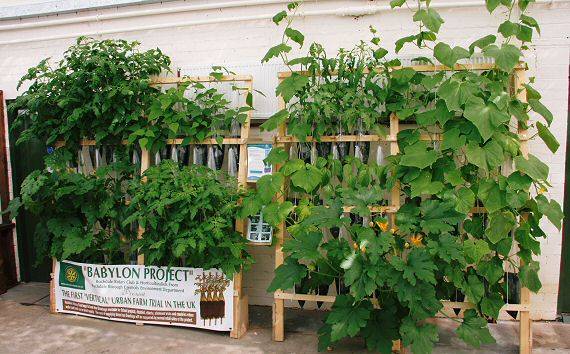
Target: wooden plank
(177,80)
(304,297)
(211,141)
(279,304)
(419,68)
(145,163)
(525,324)
(52,308)
(374,208)
(333,138)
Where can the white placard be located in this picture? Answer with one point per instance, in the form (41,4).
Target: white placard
(256,168)
(190,297)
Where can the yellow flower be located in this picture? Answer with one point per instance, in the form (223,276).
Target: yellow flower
(542,190)
(383,225)
(416,240)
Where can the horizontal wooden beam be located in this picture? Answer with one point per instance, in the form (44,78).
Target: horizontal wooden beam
(419,68)
(446,304)
(210,141)
(177,80)
(374,208)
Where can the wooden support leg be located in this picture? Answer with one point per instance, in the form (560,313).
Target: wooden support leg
(278,320)
(52,287)
(240,311)
(525,325)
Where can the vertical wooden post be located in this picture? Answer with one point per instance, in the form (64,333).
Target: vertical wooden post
(279,304)
(240,311)
(525,323)
(52,281)
(145,163)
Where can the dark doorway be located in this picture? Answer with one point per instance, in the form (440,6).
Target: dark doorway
(25,158)
(8,272)
(564,287)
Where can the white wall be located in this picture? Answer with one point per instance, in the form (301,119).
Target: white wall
(238,37)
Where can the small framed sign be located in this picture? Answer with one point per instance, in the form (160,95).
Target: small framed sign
(256,168)
(259,231)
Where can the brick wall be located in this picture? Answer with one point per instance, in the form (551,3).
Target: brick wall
(238,37)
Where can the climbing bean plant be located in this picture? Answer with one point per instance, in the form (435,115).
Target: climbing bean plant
(435,247)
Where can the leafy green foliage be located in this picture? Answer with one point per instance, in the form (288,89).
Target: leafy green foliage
(80,216)
(99,90)
(188,215)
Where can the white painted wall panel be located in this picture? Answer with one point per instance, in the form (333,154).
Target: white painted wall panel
(201,38)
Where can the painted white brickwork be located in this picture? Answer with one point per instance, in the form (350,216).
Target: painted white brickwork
(238,33)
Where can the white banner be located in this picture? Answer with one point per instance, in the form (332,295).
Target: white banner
(191,297)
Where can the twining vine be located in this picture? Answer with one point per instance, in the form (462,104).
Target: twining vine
(391,276)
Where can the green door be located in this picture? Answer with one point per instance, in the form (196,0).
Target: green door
(25,158)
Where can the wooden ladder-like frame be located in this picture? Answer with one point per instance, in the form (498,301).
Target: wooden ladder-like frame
(283,140)
(240,310)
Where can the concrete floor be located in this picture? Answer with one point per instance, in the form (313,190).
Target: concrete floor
(26,326)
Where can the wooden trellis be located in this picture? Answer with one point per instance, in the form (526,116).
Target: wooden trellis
(283,140)
(240,310)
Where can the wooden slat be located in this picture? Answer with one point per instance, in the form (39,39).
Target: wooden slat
(419,68)
(334,138)
(177,80)
(374,208)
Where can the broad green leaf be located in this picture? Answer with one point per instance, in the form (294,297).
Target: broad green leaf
(421,337)
(474,330)
(508,29)
(418,155)
(491,305)
(492,4)
(287,275)
(452,139)
(500,226)
(532,167)
(347,317)
(357,278)
(275,212)
(418,266)
(530,21)
(279,17)
(447,248)
(547,137)
(449,56)
(268,186)
(541,109)
(295,36)
(528,275)
(291,85)
(438,216)
(465,200)
(397,3)
(491,195)
(304,246)
(551,209)
(381,341)
(506,57)
(292,166)
(430,18)
(439,114)
(475,249)
(275,52)
(485,116)
(424,185)
(481,43)
(456,93)
(454,177)
(276,156)
(400,42)
(487,157)
(307,178)
(474,288)
(492,270)
(275,121)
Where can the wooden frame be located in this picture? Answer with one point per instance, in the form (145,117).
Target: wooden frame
(284,140)
(240,310)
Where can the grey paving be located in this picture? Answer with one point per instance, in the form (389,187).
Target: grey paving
(26,326)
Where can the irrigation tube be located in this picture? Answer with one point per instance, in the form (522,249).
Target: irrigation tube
(342,12)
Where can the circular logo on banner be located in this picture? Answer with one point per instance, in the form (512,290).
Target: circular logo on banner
(71,274)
